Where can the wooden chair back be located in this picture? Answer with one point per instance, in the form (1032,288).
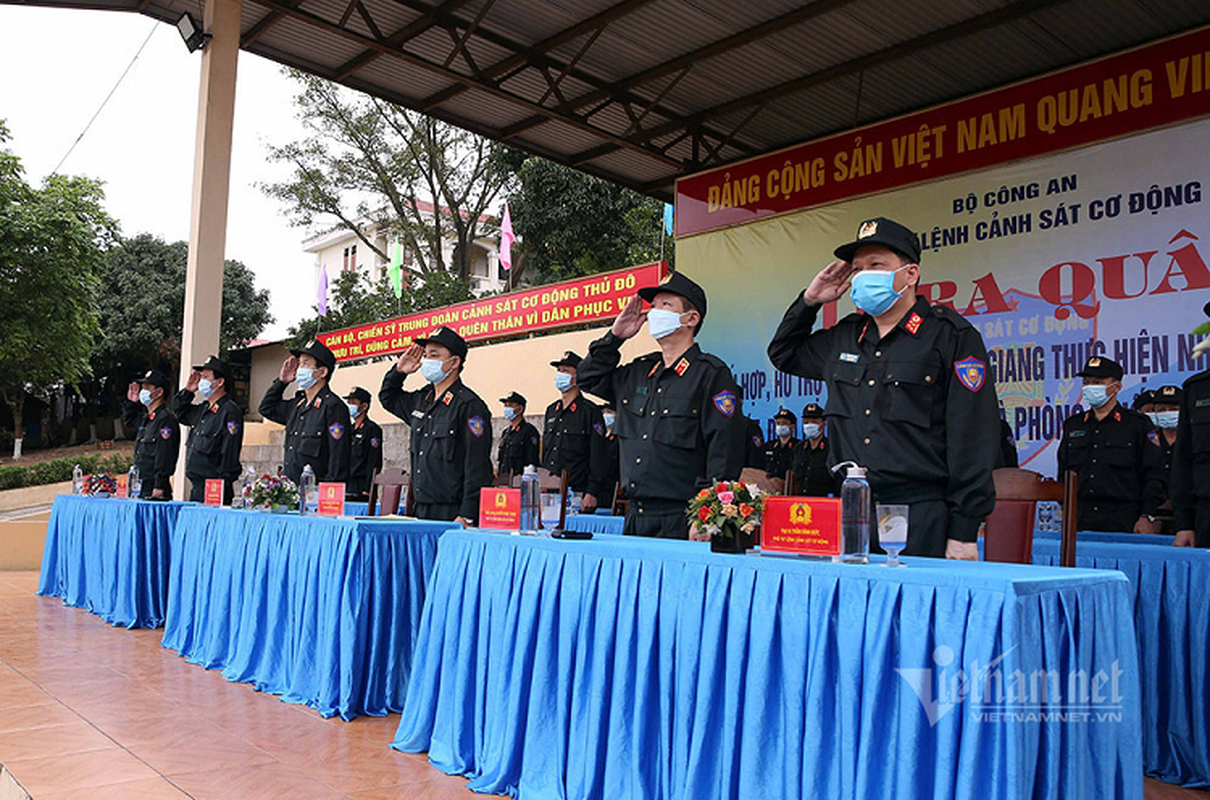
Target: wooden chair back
(389,485)
(766,484)
(549,482)
(791,483)
(620,503)
(1009,531)
(504,479)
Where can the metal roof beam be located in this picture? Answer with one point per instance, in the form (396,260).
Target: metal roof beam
(413,29)
(895,52)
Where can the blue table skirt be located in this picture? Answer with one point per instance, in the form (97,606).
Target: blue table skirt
(356,509)
(321,611)
(622,668)
(1170,596)
(109,556)
(595,523)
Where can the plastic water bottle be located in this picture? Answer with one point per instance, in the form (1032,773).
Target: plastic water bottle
(77,480)
(245,487)
(854,514)
(308,491)
(134,483)
(530,501)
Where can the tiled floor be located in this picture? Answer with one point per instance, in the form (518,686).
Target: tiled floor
(89,711)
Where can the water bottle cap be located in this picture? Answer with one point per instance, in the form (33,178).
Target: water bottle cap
(856,472)
(531,470)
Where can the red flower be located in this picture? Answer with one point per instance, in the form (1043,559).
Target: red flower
(745,510)
(703,494)
(722,487)
(703,513)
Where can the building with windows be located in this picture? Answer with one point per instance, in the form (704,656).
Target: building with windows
(343,251)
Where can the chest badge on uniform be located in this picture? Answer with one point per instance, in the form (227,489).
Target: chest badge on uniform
(971,373)
(336,430)
(913,323)
(725,402)
(232,427)
(681,366)
(165,433)
(850,358)
(476,426)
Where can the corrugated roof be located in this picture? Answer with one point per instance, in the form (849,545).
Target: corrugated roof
(693,72)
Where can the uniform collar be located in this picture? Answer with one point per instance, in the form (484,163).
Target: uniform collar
(911,323)
(681,366)
(449,395)
(1113,416)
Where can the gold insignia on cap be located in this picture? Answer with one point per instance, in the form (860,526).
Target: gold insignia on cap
(1094,362)
(1169,390)
(310,344)
(867,229)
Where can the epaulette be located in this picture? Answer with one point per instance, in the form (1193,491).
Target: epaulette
(714,361)
(952,317)
(1198,377)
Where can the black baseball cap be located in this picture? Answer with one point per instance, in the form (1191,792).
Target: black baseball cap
(215,365)
(681,286)
(320,352)
(812,411)
(785,413)
(358,393)
(1101,367)
(447,339)
(514,397)
(155,378)
(1144,397)
(569,359)
(1167,394)
(885,232)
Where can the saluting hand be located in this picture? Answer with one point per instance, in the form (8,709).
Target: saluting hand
(409,362)
(830,284)
(195,378)
(132,392)
(289,369)
(631,320)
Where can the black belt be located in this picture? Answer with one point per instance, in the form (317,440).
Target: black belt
(640,505)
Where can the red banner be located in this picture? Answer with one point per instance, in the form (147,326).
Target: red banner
(331,499)
(500,509)
(559,305)
(1146,87)
(805,526)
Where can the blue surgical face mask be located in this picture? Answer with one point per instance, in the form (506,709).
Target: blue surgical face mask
(563,381)
(306,377)
(782,431)
(1095,396)
(1154,417)
(1167,419)
(431,369)
(810,429)
(145,396)
(205,388)
(354,410)
(610,418)
(661,322)
(510,413)
(873,290)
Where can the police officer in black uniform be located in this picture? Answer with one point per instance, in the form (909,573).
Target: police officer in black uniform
(1165,416)
(613,471)
(216,429)
(1006,455)
(909,396)
(812,472)
(451,440)
(680,419)
(520,442)
(779,451)
(754,440)
(366,449)
(1108,447)
(573,438)
(316,420)
(158,442)
(1189,482)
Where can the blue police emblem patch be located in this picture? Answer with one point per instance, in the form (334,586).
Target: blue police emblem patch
(374,441)
(1154,437)
(476,425)
(725,402)
(165,433)
(971,372)
(336,430)
(599,428)
(232,427)
(759,442)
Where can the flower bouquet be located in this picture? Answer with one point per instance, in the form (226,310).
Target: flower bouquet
(727,515)
(102,484)
(273,493)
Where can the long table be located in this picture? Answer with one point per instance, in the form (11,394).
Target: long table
(109,556)
(1170,598)
(319,610)
(625,668)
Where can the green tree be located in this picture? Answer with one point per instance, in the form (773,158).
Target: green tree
(52,244)
(143,306)
(371,166)
(569,224)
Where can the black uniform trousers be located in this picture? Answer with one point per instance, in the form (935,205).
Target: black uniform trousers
(662,519)
(443,512)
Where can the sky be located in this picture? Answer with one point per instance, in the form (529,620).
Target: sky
(59,64)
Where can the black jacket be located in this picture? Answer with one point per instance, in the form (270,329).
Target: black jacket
(317,432)
(1189,482)
(811,470)
(156,446)
(216,434)
(366,456)
(574,440)
(519,447)
(451,441)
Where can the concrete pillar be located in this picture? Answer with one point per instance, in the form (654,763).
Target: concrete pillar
(211,179)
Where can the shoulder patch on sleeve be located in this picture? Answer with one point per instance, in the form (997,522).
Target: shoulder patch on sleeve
(725,402)
(232,427)
(375,441)
(476,426)
(971,373)
(166,433)
(336,430)
(1154,437)
(599,427)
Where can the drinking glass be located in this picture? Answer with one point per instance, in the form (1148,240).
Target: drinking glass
(893,531)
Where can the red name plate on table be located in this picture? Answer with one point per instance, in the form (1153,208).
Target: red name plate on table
(331,499)
(122,489)
(214,492)
(500,509)
(804,526)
